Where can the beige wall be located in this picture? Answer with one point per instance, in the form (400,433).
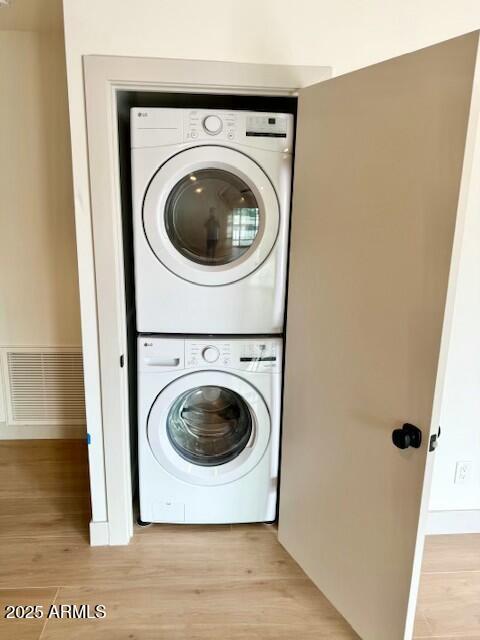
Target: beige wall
(38,273)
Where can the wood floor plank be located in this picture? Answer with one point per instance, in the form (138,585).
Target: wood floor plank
(27,629)
(422,629)
(175,609)
(38,506)
(156,531)
(44,468)
(450,603)
(54,451)
(452,553)
(443,637)
(263,528)
(145,561)
(447,637)
(44,517)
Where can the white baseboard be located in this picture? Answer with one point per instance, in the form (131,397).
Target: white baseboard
(42,432)
(467,521)
(99,534)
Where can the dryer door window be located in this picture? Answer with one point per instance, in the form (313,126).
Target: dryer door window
(209,425)
(212,217)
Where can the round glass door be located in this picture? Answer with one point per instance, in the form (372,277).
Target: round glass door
(212,217)
(209,425)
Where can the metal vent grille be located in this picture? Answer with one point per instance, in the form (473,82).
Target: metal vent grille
(45,387)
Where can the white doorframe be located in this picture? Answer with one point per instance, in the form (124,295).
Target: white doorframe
(109,455)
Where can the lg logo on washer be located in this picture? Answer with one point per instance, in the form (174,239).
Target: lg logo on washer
(210,218)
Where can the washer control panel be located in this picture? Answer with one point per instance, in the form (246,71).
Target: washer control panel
(242,354)
(202,353)
(212,125)
(211,354)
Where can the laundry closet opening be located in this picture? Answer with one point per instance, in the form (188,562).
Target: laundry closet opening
(126,101)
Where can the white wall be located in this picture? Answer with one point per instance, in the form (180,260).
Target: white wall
(344,34)
(455,504)
(460,418)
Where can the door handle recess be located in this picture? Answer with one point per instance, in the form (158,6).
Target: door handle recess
(251,440)
(408,436)
(156,362)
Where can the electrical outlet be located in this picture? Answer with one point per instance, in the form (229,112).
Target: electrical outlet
(463,471)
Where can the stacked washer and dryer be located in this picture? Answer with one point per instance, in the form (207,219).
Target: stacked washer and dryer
(211,206)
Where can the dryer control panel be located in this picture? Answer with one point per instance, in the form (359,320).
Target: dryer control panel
(156,127)
(273,131)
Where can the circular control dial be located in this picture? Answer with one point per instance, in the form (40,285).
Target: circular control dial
(210,354)
(212,125)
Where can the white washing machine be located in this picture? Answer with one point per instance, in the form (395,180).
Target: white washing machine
(211,207)
(209,428)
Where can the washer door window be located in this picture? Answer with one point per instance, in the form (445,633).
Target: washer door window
(211,215)
(209,425)
(209,428)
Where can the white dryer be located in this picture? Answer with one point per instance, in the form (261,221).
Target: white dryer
(208,430)
(211,206)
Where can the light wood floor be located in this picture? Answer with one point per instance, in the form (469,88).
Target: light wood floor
(182,583)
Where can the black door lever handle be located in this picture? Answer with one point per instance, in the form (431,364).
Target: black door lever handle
(408,436)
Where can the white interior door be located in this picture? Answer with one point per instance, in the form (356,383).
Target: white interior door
(378,169)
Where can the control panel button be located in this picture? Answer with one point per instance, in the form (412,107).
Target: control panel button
(210,354)
(212,125)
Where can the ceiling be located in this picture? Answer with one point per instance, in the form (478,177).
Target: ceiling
(31,15)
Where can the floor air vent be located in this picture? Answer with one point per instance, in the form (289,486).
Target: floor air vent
(45,387)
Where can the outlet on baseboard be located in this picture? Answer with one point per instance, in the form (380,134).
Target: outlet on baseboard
(463,471)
